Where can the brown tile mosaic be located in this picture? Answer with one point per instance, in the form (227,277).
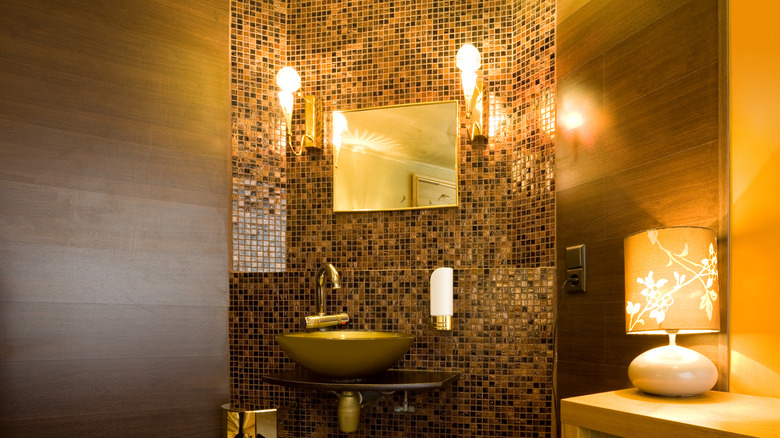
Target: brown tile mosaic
(500,240)
(258,37)
(500,342)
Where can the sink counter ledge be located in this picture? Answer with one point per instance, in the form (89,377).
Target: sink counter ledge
(391,380)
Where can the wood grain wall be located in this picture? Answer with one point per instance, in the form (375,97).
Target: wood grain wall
(114,161)
(646,76)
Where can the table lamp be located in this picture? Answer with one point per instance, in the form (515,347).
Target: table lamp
(672,288)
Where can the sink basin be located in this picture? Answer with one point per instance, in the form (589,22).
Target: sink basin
(345,354)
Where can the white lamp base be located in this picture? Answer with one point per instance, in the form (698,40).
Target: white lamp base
(674,371)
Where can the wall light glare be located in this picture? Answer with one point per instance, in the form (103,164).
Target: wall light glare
(289,81)
(340,126)
(469,60)
(572,120)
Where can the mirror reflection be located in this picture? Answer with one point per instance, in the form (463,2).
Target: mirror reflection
(396,157)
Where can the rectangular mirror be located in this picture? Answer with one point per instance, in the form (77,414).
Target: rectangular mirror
(396,157)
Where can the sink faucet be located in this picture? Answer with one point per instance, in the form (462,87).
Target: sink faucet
(321,320)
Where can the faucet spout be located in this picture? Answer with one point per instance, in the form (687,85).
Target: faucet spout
(321,320)
(319,293)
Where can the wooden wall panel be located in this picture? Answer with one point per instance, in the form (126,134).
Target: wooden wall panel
(646,75)
(665,121)
(188,422)
(596,26)
(664,52)
(114,200)
(67,388)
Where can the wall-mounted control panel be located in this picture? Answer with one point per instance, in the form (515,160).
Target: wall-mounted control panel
(575,269)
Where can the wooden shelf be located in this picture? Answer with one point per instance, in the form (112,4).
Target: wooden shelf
(632,413)
(391,380)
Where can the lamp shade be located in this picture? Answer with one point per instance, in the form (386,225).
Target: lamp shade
(672,281)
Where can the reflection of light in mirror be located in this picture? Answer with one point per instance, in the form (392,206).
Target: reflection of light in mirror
(384,147)
(340,126)
(368,141)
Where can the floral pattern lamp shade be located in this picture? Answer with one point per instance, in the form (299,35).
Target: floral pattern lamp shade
(672,288)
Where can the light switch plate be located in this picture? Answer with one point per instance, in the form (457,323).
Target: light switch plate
(575,269)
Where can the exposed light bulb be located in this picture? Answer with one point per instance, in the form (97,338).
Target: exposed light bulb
(468,61)
(288,80)
(468,58)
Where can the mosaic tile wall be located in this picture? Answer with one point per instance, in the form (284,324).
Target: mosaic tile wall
(258,36)
(500,239)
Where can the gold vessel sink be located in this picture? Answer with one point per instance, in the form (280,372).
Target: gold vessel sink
(345,354)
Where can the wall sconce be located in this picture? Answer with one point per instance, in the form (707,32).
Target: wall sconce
(671,288)
(468,61)
(289,81)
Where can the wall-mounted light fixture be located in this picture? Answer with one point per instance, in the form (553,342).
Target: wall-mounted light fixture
(289,81)
(468,61)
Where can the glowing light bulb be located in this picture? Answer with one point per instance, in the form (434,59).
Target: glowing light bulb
(468,61)
(468,58)
(288,80)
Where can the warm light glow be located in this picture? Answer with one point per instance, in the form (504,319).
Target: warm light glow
(468,61)
(672,287)
(340,125)
(288,80)
(339,128)
(672,281)
(468,58)
(286,102)
(744,368)
(547,113)
(469,80)
(580,117)
(754,234)
(572,120)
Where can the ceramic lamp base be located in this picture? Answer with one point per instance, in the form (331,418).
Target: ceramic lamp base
(673,371)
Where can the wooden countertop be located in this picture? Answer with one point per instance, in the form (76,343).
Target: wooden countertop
(632,413)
